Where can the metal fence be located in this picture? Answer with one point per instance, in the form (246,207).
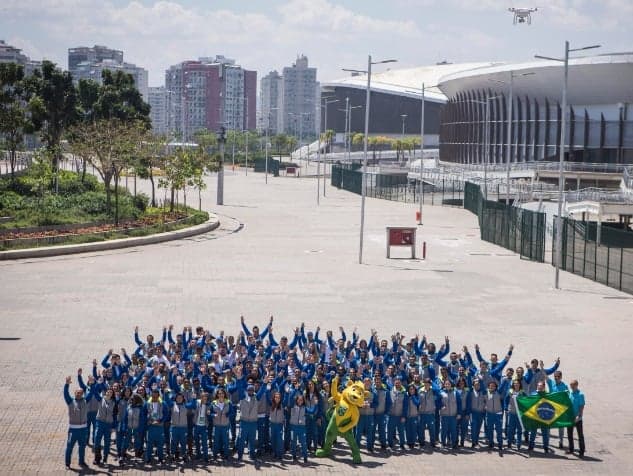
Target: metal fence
(516,229)
(605,257)
(398,187)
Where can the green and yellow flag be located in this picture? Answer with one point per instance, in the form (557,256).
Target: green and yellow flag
(545,410)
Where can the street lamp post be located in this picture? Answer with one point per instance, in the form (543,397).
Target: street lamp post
(424,88)
(364,175)
(509,144)
(267,128)
(325,103)
(404,118)
(421,193)
(561,177)
(221,136)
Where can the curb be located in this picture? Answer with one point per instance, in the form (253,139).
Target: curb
(48,251)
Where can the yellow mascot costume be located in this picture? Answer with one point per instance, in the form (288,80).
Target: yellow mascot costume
(344,417)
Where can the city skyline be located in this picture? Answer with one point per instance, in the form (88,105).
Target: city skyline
(333,34)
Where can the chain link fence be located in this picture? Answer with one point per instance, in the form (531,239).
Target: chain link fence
(604,255)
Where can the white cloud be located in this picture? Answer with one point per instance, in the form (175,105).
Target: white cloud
(158,34)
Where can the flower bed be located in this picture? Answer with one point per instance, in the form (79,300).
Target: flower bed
(90,232)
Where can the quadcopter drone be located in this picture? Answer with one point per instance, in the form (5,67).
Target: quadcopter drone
(522,15)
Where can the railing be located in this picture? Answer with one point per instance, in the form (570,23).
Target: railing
(542,166)
(627,179)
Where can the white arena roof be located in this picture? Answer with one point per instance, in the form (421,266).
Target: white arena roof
(600,79)
(407,82)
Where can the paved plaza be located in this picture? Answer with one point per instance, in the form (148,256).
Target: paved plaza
(277,253)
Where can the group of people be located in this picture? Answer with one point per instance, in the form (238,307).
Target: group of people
(196,395)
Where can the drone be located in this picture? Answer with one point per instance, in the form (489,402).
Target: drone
(522,15)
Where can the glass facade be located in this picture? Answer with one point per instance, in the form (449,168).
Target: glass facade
(474,129)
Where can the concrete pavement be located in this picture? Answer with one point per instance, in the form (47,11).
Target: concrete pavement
(277,253)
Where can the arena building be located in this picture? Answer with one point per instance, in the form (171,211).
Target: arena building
(394,93)
(599,127)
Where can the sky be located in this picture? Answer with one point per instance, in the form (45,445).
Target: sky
(264,35)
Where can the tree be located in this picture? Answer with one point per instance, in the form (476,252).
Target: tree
(112,125)
(279,142)
(14,121)
(52,106)
(110,146)
(291,144)
(329,137)
(150,155)
(358,139)
(174,168)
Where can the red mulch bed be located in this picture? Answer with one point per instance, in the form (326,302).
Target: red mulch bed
(140,223)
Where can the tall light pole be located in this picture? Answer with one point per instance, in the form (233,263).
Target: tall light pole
(404,118)
(221,135)
(509,145)
(267,128)
(364,176)
(326,142)
(325,103)
(424,88)
(561,177)
(349,128)
(245,122)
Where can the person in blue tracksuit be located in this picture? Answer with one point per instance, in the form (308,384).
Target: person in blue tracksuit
(536,372)
(93,404)
(366,417)
(221,409)
(326,409)
(121,405)
(450,412)
(105,422)
(77,423)
(557,385)
(412,422)
(494,412)
(462,422)
(313,412)
(178,427)
(383,401)
(201,416)
(298,427)
(540,390)
(477,404)
(397,412)
(248,422)
(157,411)
(133,425)
(277,418)
(430,400)
(578,404)
(514,424)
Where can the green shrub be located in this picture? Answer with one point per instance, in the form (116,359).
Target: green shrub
(10,201)
(93,203)
(141,201)
(70,183)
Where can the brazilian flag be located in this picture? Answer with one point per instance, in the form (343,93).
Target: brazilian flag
(545,410)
